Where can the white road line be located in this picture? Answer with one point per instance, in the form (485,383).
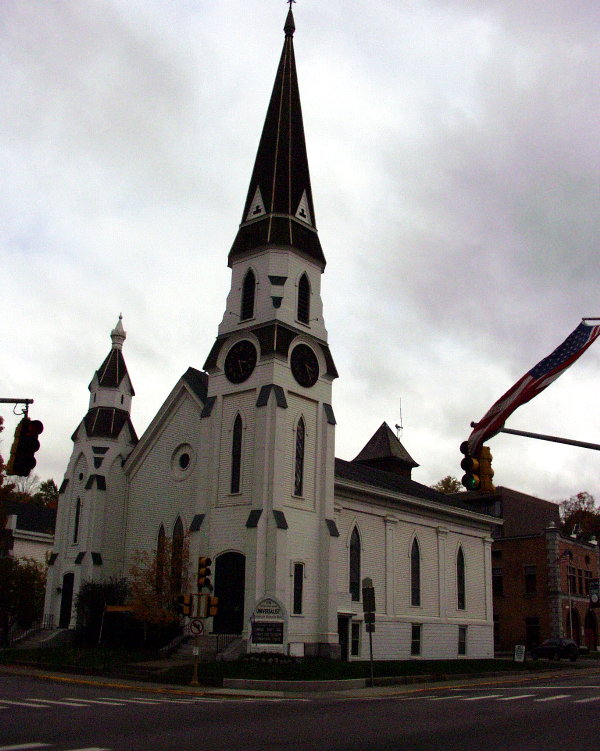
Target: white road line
(25,746)
(23,704)
(586,701)
(441,698)
(89,749)
(554,698)
(131,701)
(97,701)
(518,696)
(479,698)
(65,703)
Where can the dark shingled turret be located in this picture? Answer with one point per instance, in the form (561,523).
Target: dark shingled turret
(279,207)
(384,451)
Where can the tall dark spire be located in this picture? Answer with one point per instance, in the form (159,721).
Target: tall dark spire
(279,206)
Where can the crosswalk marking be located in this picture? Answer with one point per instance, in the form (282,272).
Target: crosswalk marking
(64,702)
(92,748)
(23,704)
(23,746)
(132,701)
(585,701)
(97,701)
(554,698)
(479,698)
(518,696)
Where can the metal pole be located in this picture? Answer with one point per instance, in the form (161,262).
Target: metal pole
(570,606)
(371,654)
(552,438)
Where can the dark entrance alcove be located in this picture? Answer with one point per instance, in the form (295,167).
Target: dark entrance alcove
(230,578)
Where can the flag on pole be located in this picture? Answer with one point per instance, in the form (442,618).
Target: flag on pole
(532,383)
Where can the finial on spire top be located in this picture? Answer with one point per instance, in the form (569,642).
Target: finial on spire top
(290,26)
(118,334)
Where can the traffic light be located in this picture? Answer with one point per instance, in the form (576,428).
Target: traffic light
(25,444)
(485,470)
(184,604)
(204,573)
(209,606)
(470,465)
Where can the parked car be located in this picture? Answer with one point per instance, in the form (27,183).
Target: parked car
(554,649)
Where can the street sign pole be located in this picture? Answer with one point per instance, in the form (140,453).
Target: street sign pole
(368,593)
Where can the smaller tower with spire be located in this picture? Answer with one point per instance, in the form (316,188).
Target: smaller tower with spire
(90,525)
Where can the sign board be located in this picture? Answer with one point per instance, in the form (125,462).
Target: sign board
(519,653)
(268,623)
(196,627)
(267,632)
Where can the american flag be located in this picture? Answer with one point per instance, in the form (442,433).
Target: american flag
(532,383)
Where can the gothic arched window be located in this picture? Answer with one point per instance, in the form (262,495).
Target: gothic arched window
(236,455)
(248,290)
(177,555)
(415,574)
(460,580)
(299,462)
(355,565)
(77,516)
(161,547)
(303,299)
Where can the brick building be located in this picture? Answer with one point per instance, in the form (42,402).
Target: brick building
(540,578)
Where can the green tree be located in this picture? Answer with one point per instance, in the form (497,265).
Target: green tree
(579,514)
(22,587)
(46,495)
(448,485)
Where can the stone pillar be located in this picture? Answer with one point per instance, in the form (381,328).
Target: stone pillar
(390,535)
(553,568)
(442,534)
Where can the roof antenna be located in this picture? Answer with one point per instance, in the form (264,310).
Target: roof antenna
(399,427)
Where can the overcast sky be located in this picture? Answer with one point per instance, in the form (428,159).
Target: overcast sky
(455,165)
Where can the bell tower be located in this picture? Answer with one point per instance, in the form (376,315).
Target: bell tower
(269,441)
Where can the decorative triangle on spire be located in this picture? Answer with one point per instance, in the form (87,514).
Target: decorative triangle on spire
(279,208)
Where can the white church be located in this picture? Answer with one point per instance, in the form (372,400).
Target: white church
(241,456)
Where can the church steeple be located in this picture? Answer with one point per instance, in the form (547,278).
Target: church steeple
(279,207)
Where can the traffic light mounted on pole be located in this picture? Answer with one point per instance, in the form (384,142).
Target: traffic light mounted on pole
(204,573)
(486,471)
(184,604)
(25,444)
(470,465)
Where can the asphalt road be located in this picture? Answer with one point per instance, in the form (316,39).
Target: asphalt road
(549,713)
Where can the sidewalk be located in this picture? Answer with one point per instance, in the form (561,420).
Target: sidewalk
(301,689)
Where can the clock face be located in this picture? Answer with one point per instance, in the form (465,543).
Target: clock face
(305,366)
(240,361)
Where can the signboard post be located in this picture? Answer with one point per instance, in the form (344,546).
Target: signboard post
(268,625)
(368,593)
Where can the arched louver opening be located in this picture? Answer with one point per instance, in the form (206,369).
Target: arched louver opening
(355,565)
(248,292)
(236,455)
(415,574)
(177,555)
(299,463)
(461,602)
(304,299)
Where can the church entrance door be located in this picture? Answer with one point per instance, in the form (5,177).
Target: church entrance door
(66,600)
(230,578)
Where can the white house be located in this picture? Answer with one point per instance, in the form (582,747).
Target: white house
(241,455)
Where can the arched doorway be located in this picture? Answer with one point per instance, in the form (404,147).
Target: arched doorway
(591,630)
(66,601)
(576,631)
(230,579)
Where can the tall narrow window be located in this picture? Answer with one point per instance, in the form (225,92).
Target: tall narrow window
(161,547)
(462,640)
(248,290)
(460,580)
(236,455)
(530,579)
(355,566)
(299,464)
(298,587)
(76,524)
(177,555)
(415,639)
(415,574)
(303,299)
